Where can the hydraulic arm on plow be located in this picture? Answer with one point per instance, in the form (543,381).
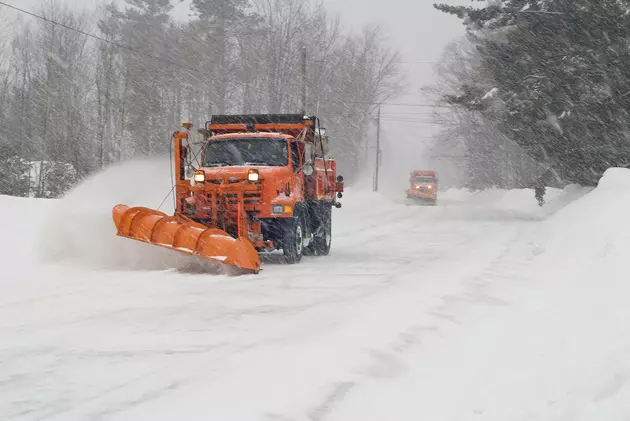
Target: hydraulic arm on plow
(264,184)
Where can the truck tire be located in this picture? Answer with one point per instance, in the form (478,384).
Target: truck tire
(323,239)
(293,242)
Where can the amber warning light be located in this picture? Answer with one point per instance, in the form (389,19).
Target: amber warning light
(200,177)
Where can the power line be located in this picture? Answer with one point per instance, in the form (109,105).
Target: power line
(96,37)
(412,113)
(407,118)
(415,122)
(397,104)
(416,62)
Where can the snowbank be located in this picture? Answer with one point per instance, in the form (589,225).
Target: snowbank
(510,204)
(595,221)
(570,334)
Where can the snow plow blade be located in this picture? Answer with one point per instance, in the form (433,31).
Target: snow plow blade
(186,236)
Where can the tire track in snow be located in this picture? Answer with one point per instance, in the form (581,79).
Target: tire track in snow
(388,362)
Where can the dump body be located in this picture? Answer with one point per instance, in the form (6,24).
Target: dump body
(423,186)
(264,180)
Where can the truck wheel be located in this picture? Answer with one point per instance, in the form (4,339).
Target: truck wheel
(293,243)
(322,241)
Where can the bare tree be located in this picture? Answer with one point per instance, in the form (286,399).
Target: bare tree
(77,104)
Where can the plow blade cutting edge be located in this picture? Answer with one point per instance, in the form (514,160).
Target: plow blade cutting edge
(186,236)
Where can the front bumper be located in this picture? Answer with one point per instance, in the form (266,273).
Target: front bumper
(422,194)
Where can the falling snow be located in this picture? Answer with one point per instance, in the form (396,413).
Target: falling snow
(504,301)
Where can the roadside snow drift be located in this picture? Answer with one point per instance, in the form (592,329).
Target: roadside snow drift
(485,307)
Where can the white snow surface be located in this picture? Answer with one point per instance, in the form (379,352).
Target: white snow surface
(485,307)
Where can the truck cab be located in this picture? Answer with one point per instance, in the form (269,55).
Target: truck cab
(423,187)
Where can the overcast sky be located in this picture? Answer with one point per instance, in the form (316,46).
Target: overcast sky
(415,29)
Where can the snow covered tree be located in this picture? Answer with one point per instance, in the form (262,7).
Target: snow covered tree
(15,176)
(59,176)
(144,26)
(216,18)
(561,71)
(472,151)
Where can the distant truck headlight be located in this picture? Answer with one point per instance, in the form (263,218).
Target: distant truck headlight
(199,177)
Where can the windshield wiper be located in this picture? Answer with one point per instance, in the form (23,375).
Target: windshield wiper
(218,164)
(257,163)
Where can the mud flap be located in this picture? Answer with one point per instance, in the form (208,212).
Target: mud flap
(186,236)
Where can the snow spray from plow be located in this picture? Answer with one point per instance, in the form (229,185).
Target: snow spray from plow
(85,213)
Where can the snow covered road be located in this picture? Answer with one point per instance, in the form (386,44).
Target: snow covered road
(417,313)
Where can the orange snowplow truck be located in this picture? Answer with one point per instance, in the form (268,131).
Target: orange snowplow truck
(423,187)
(264,183)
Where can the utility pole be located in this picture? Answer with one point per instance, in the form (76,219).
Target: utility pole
(378,148)
(304,80)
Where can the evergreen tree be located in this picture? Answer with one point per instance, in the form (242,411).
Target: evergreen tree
(561,71)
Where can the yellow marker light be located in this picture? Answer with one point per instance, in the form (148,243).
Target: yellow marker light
(252,175)
(288,209)
(199,177)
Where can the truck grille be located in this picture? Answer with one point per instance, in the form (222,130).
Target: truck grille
(248,199)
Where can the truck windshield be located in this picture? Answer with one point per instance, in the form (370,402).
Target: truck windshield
(246,151)
(421,180)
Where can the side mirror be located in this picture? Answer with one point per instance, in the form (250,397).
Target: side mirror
(308,169)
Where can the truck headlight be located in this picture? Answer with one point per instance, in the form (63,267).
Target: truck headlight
(199,177)
(252,175)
